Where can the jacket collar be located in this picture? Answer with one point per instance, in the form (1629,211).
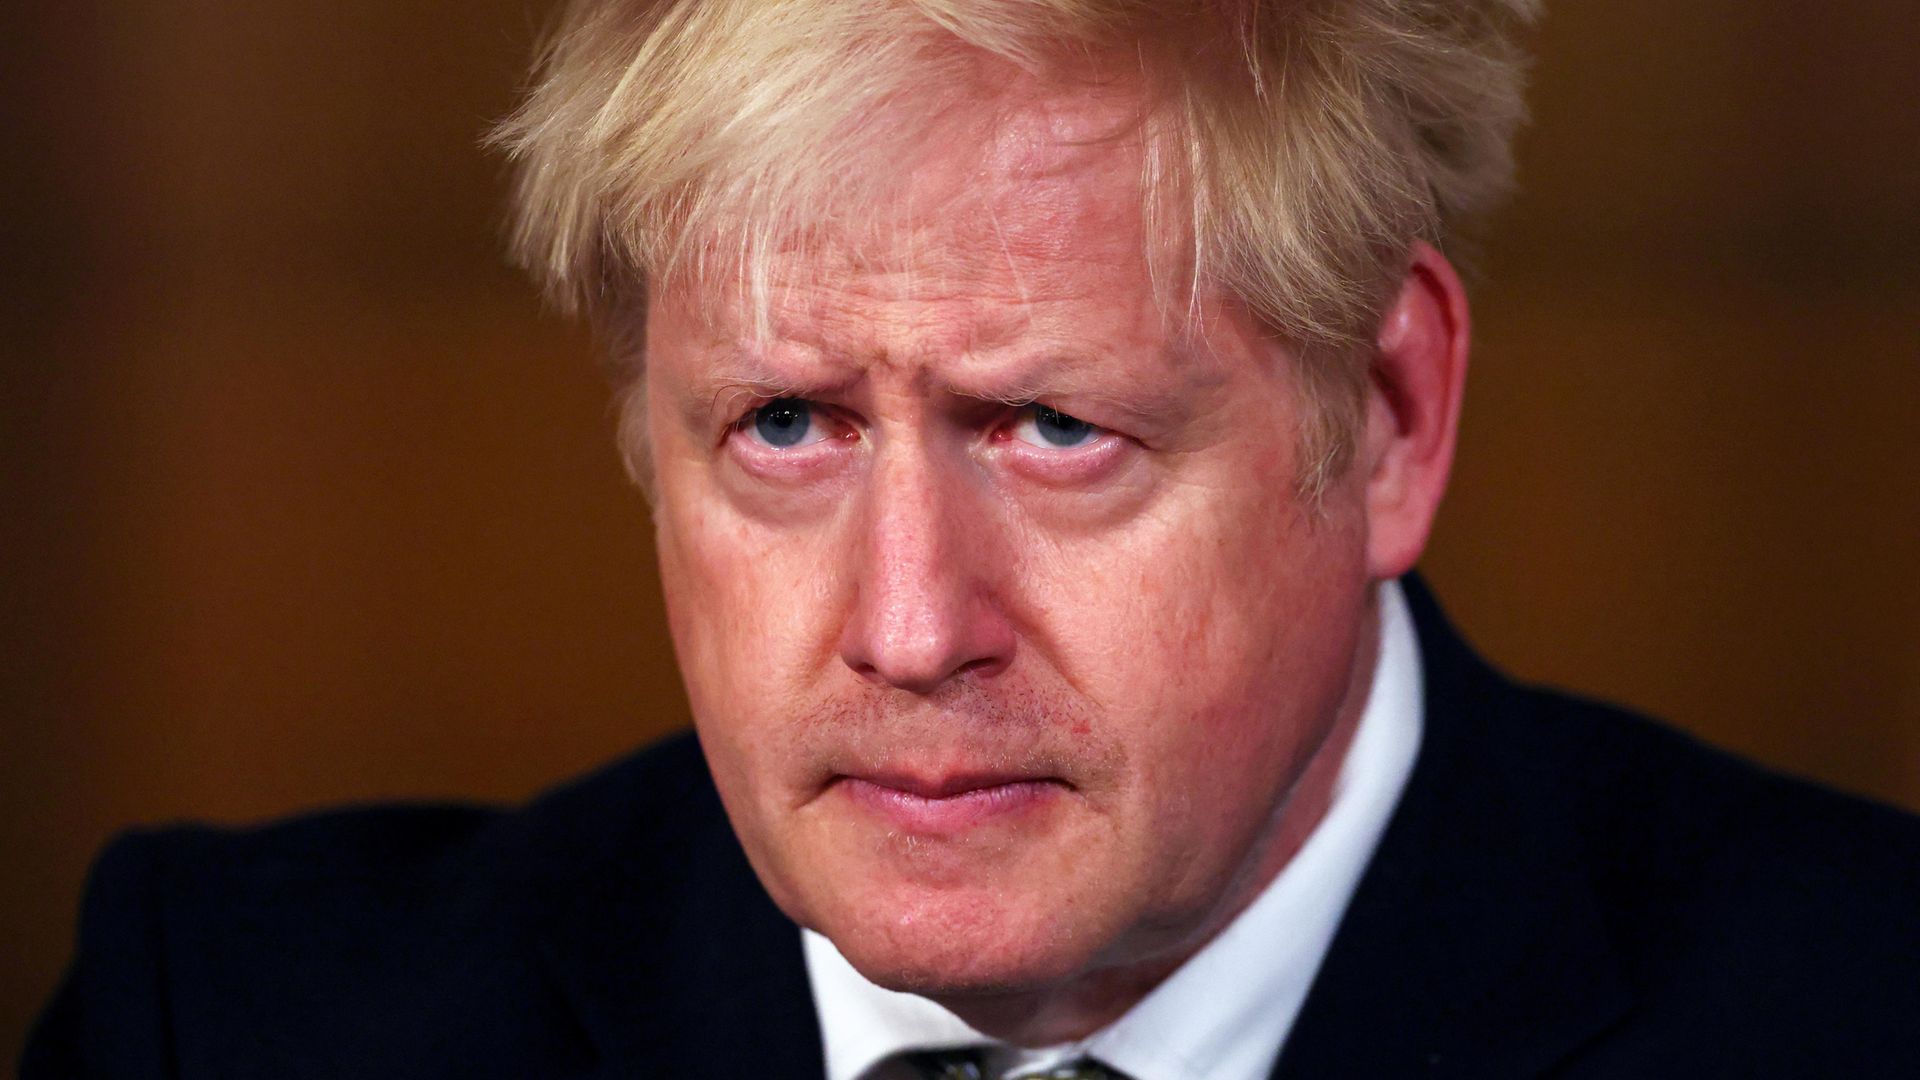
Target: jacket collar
(1474,945)
(673,958)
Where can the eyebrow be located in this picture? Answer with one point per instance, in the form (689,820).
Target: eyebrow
(741,372)
(1081,376)
(738,374)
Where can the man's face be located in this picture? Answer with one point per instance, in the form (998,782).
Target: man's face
(1005,631)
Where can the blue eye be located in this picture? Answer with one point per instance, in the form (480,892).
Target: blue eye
(784,423)
(1052,429)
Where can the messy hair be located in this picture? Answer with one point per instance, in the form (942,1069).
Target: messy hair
(1295,149)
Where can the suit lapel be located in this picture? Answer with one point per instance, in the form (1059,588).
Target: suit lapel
(676,962)
(1474,945)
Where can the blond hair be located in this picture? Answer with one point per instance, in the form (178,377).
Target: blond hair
(1296,148)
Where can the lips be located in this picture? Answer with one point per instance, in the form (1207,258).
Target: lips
(949,803)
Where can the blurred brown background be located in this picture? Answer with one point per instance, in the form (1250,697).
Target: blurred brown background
(305,501)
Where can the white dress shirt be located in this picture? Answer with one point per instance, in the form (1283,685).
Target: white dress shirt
(1225,1013)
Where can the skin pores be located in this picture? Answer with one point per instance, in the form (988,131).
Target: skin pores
(1020,663)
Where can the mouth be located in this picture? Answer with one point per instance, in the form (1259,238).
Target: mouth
(947,804)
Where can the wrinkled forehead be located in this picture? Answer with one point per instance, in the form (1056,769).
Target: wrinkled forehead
(1050,177)
(1002,193)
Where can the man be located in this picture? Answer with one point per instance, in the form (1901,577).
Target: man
(1041,403)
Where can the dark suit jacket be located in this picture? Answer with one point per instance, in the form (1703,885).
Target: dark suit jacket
(1564,890)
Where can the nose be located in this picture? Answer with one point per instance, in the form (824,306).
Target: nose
(925,574)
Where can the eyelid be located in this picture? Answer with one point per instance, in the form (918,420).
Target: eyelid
(816,432)
(1027,413)
(830,431)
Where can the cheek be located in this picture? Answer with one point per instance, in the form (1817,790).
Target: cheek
(1209,583)
(1217,631)
(746,605)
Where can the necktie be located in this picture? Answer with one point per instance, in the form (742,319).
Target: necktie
(1084,1069)
(962,1064)
(969,1064)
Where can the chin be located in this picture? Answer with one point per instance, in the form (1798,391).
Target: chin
(963,943)
(940,971)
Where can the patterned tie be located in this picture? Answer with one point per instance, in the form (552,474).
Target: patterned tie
(961,1064)
(969,1064)
(1084,1069)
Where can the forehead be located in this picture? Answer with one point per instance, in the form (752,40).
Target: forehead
(1050,176)
(1025,195)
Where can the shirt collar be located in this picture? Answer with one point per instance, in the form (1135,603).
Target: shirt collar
(1224,1014)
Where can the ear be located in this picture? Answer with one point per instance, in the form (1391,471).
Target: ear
(1413,410)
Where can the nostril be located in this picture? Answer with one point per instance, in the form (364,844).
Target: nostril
(986,665)
(922,671)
